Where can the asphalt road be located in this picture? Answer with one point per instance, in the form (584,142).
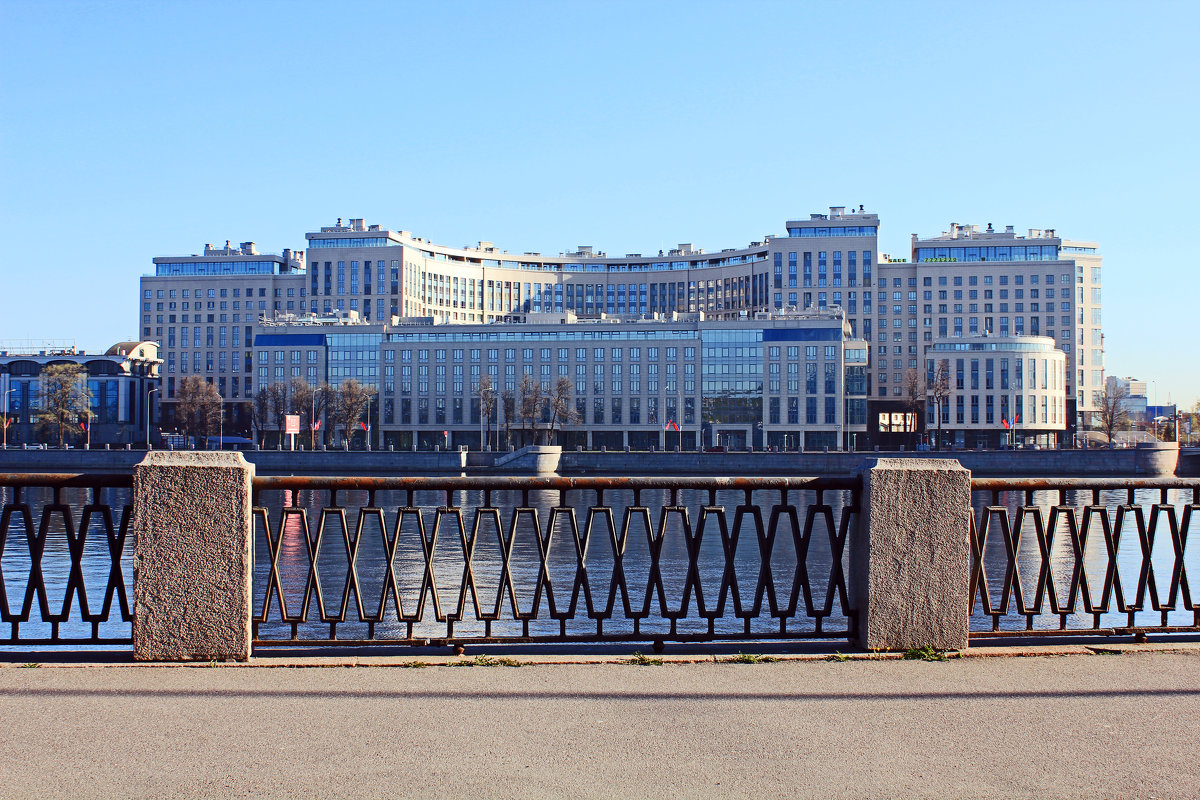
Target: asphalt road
(1077,726)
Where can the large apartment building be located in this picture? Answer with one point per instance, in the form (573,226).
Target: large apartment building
(380,273)
(965,282)
(200,309)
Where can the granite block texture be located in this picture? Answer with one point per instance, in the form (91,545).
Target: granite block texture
(192,558)
(911,555)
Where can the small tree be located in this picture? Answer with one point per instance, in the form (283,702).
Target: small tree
(198,406)
(939,390)
(65,398)
(324,403)
(1114,415)
(277,405)
(212,411)
(261,414)
(562,409)
(529,407)
(508,402)
(914,399)
(353,399)
(487,405)
(300,400)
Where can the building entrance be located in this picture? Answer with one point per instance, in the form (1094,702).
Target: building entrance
(731,438)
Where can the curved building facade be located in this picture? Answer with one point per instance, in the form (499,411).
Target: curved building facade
(381,273)
(1003,390)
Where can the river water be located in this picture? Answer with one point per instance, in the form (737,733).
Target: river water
(599,591)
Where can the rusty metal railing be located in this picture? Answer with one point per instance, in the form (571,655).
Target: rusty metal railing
(416,560)
(1079,555)
(64,563)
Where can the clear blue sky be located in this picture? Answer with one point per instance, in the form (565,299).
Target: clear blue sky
(129,130)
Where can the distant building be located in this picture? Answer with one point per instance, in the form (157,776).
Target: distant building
(963,283)
(968,282)
(1004,390)
(1136,401)
(200,309)
(122,383)
(777,380)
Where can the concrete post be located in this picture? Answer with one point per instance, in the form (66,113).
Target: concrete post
(910,560)
(192,560)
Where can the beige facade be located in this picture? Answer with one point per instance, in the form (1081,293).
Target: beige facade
(1036,284)
(381,273)
(201,309)
(968,282)
(781,380)
(1003,390)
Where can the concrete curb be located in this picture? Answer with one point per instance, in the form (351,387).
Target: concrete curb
(499,660)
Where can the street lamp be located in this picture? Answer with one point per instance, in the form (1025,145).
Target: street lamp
(148,393)
(367,432)
(6,415)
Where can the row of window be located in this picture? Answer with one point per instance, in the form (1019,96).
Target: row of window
(1018,414)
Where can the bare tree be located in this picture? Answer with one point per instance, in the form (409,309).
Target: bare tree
(508,402)
(212,411)
(1114,415)
(562,409)
(529,407)
(261,414)
(487,405)
(914,400)
(353,399)
(65,398)
(301,401)
(939,390)
(277,405)
(324,402)
(198,406)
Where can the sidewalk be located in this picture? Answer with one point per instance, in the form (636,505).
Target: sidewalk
(1079,726)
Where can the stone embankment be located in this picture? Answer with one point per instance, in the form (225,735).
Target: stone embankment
(1163,460)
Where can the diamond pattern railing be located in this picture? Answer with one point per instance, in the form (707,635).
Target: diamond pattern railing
(406,560)
(65,560)
(1084,555)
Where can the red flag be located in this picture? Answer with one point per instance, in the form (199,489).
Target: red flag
(317,425)
(363,425)
(83,424)
(1005,422)
(1018,419)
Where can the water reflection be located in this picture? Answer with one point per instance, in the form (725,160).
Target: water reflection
(1047,565)
(537,563)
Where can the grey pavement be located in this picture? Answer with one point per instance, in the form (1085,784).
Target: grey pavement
(1097,725)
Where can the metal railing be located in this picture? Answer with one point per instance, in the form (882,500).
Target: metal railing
(411,560)
(64,559)
(1078,555)
(416,560)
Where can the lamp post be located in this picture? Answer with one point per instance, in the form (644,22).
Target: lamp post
(6,415)
(148,393)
